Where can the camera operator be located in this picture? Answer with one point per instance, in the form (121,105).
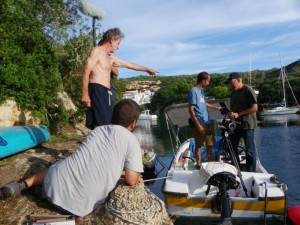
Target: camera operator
(243,104)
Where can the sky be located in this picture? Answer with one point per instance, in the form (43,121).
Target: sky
(184,37)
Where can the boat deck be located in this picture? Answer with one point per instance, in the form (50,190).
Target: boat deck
(191,183)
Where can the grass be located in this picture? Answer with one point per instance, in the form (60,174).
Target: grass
(60,138)
(7,160)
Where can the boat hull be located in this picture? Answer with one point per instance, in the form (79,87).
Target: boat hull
(279,111)
(241,208)
(20,138)
(145,115)
(148,117)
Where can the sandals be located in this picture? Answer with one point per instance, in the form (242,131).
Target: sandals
(198,167)
(10,190)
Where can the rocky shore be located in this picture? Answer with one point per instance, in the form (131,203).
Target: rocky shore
(14,211)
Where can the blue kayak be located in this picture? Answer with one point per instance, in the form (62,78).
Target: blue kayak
(20,138)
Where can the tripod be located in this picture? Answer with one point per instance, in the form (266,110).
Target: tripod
(227,128)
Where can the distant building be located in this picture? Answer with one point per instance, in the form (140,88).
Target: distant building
(141,91)
(140,97)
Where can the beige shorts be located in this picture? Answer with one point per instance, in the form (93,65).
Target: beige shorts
(204,139)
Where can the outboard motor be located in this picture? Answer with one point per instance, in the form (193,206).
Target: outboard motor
(222,176)
(224,181)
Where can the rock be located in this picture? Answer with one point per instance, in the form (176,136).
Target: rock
(81,129)
(11,115)
(66,101)
(143,85)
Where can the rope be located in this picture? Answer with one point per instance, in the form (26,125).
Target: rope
(119,213)
(290,88)
(168,124)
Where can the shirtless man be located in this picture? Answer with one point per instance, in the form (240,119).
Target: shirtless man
(96,94)
(114,74)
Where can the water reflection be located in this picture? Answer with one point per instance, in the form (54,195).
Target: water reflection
(279,120)
(144,133)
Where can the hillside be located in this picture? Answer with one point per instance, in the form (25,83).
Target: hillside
(175,88)
(292,69)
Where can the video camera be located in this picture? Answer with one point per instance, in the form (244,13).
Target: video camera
(228,125)
(224,110)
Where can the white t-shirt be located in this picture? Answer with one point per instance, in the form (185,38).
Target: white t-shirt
(82,181)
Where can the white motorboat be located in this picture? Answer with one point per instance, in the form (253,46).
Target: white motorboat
(145,115)
(219,188)
(280,110)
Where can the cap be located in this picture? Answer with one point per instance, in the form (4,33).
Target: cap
(232,76)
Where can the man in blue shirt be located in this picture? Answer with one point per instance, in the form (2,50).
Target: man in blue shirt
(198,109)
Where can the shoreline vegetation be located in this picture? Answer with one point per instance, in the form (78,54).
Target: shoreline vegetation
(44,52)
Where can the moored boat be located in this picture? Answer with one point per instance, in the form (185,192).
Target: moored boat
(281,108)
(145,115)
(220,188)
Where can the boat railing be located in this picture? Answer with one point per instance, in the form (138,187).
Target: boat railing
(284,213)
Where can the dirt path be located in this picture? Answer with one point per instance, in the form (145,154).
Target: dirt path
(14,168)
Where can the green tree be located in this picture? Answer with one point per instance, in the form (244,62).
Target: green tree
(173,90)
(40,46)
(120,86)
(28,68)
(220,92)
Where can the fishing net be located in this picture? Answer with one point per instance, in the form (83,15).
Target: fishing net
(133,205)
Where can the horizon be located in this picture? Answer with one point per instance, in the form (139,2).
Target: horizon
(184,38)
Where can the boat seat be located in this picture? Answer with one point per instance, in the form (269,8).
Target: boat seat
(179,181)
(197,187)
(258,188)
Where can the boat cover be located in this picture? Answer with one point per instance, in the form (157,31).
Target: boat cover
(211,168)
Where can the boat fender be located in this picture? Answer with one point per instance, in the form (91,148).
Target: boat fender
(186,159)
(294,214)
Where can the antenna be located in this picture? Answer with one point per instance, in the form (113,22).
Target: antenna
(250,76)
(285,78)
(282,74)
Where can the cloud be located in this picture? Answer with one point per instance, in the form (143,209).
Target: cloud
(182,37)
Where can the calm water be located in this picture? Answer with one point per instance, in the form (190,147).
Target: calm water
(277,140)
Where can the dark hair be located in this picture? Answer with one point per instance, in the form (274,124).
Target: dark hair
(113,33)
(124,112)
(202,76)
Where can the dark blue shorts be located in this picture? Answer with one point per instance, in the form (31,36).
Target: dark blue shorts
(100,111)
